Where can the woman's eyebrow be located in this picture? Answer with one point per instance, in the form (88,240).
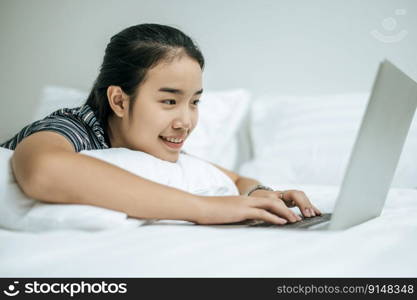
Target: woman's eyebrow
(177,91)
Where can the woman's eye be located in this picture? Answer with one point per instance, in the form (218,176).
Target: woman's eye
(164,101)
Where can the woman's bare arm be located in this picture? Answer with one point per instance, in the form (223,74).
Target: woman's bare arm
(48,169)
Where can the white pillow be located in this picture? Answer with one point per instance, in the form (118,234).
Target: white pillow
(215,137)
(308,140)
(56,97)
(221,115)
(189,173)
(19,212)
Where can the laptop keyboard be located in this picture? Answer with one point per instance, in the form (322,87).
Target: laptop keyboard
(304,223)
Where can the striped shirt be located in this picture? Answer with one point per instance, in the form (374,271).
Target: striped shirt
(79,125)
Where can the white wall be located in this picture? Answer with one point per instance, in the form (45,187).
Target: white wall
(285,47)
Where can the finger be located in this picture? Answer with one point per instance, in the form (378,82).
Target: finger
(308,212)
(281,195)
(303,203)
(277,207)
(285,212)
(289,202)
(264,215)
(317,211)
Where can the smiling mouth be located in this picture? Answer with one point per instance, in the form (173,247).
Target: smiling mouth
(171,144)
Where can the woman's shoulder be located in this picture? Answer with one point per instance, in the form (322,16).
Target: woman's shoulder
(81,118)
(78,124)
(82,113)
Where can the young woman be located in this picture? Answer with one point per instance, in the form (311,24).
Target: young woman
(145,98)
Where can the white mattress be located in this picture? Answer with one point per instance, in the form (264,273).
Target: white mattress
(382,247)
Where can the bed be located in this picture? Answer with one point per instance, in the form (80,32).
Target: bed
(312,159)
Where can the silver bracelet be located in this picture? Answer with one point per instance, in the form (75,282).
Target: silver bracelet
(258,187)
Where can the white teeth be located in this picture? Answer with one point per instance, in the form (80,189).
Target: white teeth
(173,140)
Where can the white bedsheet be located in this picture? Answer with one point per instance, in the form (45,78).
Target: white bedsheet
(383,247)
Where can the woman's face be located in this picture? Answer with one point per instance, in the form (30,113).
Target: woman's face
(166,106)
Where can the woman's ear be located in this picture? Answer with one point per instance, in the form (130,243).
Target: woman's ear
(118,100)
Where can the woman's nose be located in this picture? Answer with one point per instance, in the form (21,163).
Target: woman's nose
(186,125)
(184,120)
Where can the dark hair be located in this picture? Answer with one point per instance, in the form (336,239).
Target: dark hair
(128,57)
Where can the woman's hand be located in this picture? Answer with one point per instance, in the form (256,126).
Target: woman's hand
(291,198)
(232,209)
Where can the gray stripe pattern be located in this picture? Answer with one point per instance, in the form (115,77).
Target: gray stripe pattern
(79,125)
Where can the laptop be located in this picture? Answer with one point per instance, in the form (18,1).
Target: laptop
(374,156)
